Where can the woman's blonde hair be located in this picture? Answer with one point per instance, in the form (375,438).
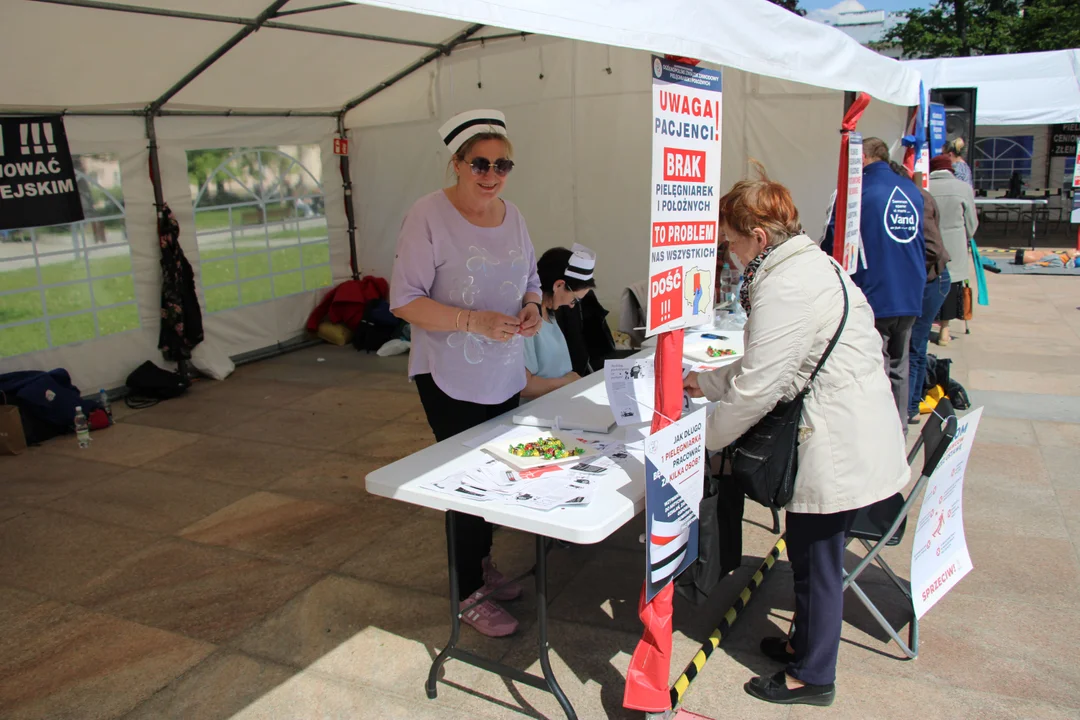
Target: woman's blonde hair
(761,203)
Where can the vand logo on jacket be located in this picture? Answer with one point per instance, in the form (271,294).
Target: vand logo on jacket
(901,219)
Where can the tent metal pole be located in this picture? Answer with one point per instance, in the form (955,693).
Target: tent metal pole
(350,212)
(155,106)
(445,49)
(174,113)
(165,112)
(142,10)
(74,113)
(503,36)
(349,34)
(159,204)
(155,166)
(233,20)
(315,8)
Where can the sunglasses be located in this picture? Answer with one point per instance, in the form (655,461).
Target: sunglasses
(480,166)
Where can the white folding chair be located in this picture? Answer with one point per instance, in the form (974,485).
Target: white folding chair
(882,524)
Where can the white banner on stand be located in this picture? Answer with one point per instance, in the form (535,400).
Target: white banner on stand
(939,555)
(674,486)
(853,215)
(686,189)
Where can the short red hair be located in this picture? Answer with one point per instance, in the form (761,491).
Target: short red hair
(761,203)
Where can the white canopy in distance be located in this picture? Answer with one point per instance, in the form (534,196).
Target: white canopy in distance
(1023,89)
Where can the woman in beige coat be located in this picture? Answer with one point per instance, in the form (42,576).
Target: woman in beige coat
(958,221)
(851,452)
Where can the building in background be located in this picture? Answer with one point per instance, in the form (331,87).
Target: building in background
(868,27)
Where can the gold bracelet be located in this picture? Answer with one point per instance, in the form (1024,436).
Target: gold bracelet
(468,321)
(457,320)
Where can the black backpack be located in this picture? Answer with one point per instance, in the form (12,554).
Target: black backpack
(938,373)
(378,326)
(148,384)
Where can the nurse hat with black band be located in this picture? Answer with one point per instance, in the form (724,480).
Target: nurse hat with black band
(582,263)
(456,131)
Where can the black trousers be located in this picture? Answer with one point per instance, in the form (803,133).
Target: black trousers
(815,547)
(895,335)
(448,417)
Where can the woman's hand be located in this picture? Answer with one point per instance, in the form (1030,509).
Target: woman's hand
(494,325)
(690,385)
(570,377)
(530,320)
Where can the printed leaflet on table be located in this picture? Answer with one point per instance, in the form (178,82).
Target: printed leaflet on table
(630,386)
(685,192)
(540,488)
(939,555)
(674,484)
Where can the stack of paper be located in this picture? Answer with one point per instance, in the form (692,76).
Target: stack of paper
(541,488)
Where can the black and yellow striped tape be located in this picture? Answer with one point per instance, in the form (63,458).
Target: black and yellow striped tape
(702,656)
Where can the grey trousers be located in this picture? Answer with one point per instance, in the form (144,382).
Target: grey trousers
(895,335)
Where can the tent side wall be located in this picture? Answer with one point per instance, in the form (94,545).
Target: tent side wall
(581,140)
(107,360)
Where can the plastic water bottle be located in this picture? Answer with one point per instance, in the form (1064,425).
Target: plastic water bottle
(82,428)
(737,310)
(727,284)
(103,398)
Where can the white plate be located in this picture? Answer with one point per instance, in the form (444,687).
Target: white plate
(499,447)
(697,351)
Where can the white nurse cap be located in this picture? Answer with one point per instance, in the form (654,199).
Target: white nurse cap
(458,129)
(582,263)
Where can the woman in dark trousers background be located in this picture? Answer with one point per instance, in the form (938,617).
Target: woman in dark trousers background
(465,278)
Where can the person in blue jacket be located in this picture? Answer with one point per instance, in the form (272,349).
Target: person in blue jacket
(892,269)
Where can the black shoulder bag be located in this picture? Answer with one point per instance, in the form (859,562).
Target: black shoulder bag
(765,460)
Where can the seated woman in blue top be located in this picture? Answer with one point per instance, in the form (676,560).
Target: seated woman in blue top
(566,276)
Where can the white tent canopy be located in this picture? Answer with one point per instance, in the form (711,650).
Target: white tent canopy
(1023,89)
(576,91)
(102,58)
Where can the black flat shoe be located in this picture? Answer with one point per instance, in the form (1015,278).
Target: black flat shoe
(775,690)
(776,648)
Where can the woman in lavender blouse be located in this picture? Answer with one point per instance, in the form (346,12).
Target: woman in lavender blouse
(465,278)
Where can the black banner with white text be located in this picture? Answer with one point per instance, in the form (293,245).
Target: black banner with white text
(37,175)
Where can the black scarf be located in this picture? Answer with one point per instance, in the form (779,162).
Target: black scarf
(748,277)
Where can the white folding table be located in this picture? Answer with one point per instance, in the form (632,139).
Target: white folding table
(617,500)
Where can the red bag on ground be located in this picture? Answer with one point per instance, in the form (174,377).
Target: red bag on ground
(345,304)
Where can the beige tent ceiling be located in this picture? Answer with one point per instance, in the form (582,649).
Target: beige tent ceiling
(90,55)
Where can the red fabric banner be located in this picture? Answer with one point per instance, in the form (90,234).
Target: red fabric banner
(647,677)
(851,121)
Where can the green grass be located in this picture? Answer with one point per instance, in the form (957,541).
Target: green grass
(217,267)
(23,306)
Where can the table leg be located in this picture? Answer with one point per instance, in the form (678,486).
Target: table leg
(541,621)
(1032,227)
(455,608)
(452,651)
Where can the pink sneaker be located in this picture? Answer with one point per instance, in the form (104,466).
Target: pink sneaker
(493,578)
(488,617)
